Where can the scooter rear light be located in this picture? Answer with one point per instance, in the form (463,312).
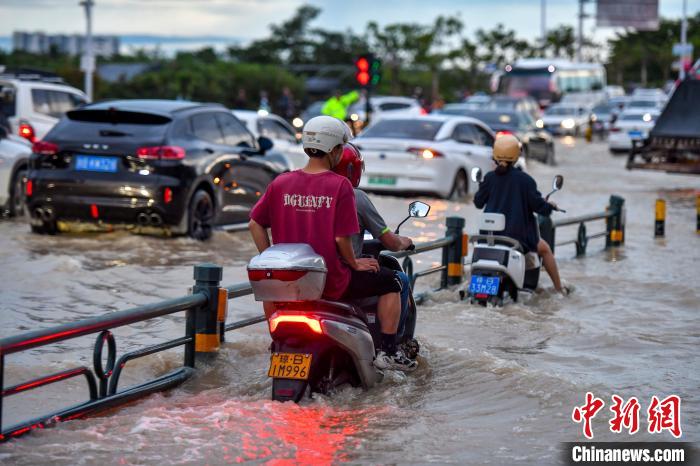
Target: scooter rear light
(313,323)
(282,275)
(503,133)
(614,129)
(481,296)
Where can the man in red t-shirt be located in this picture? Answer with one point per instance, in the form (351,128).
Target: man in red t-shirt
(316,206)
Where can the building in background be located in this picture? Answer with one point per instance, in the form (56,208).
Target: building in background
(71,44)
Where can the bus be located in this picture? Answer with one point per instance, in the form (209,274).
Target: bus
(546,80)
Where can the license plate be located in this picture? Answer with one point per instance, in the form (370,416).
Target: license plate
(289,366)
(383,180)
(635,134)
(96,163)
(484,285)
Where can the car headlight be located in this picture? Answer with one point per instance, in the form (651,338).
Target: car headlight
(539,124)
(568,123)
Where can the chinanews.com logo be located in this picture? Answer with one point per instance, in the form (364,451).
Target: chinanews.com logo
(628,416)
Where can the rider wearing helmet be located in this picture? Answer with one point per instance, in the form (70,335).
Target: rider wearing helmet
(351,166)
(509,191)
(316,206)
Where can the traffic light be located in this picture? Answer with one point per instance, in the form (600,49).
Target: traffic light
(368,70)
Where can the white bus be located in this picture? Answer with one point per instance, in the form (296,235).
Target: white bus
(546,80)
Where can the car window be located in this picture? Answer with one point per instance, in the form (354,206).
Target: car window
(60,103)
(465,134)
(41,102)
(7,100)
(77,100)
(204,126)
(484,138)
(404,129)
(235,133)
(275,130)
(393,106)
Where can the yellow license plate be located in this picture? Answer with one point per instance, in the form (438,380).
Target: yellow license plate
(289,366)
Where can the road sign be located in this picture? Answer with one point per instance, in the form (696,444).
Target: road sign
(682,50)
(638,14)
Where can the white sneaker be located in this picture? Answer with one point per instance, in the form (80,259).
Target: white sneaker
(398,361)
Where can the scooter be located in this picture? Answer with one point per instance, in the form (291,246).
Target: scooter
(319,345)
(500,268)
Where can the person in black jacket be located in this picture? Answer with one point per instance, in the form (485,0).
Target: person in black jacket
(509,191)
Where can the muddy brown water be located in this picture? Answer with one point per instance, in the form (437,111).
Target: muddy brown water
(495,386)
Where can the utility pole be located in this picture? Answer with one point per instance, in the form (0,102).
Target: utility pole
(579,42)
(684,40)
(88,59)
(543,23)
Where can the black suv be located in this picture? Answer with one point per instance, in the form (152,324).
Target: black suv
(183,165)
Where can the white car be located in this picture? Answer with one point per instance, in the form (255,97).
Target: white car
(632,124)
(383,106)
(564,119)
(33,104)
(427,154)
(646,104)
(274,127)
(14,156)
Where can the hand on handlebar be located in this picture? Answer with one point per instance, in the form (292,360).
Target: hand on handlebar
(366,265)
(556,207)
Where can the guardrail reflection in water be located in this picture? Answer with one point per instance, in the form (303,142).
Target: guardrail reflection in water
(205,328)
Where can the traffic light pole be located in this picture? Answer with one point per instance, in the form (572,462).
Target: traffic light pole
(368,107)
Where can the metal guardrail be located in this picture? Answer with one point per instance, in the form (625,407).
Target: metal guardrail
(205,327)
(614,234)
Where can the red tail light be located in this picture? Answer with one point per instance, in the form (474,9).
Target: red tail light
(29,188)
(313,323)
(27,131)
(45,148)
(94,213)
(161,152)
(503,133)
(282,275)
(425,153)
(614,129)
(167,195)
(423,111)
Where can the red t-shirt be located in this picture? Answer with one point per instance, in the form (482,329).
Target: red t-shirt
(302,207)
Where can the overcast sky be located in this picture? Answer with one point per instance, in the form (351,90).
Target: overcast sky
(250,18)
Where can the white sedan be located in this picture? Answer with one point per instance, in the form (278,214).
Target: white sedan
(274,127)
(14,157)
(385,106)
(564,119)
(428,154)
(631,125)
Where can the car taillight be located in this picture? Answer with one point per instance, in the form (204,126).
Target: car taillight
(29,188)
(423,111)
(161,152)
(425,153)
(27,131)
(312,322)
(282,275)
(614,129)
(503,133)
(167,195)
(45,148)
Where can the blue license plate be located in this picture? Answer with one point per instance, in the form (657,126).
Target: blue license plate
(96,163)
(484,285)
(635,134)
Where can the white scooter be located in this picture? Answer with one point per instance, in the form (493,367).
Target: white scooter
(500,268)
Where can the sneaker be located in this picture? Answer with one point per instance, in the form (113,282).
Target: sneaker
(398,361)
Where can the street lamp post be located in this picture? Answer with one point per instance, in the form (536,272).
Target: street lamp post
(684,40)
(88,60)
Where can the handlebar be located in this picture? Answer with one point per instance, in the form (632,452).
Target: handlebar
(412,247)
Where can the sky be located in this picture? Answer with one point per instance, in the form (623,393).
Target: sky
(249,19)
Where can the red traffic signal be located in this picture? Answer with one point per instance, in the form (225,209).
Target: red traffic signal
(362,64)
(362,78)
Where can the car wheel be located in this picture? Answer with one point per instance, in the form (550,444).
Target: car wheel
(46,228)
(200,216)
(549,157)
(460,187)
(17,201)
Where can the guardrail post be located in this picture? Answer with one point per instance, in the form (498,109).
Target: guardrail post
(206,325)
(547,230)
(452,254)
(616,222)
(697,212)
(659,218)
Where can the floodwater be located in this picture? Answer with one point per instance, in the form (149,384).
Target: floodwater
(494,386)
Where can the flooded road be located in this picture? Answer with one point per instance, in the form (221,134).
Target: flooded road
(494,386)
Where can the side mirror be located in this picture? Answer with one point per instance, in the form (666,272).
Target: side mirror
(418,209)
(265,144)
(557,183)
(476,175)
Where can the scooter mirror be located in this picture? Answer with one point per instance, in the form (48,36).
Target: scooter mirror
(476,175)
(418,209)
(557,183)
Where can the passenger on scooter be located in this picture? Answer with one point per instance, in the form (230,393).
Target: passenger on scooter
(509,191)
(351,166)
(315,206)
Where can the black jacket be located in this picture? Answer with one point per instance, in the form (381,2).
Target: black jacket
(515,195)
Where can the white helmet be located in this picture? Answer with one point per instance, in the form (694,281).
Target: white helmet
(324,133)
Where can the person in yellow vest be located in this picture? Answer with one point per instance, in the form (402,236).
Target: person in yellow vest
(337,106)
